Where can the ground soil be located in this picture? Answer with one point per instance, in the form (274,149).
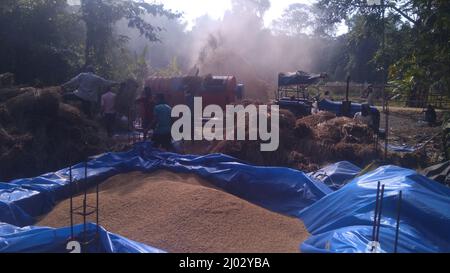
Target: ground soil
(183,213)
(405,129)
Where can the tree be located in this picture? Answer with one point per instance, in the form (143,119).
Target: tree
(251,7)
(417,45)
(100,17)
(41,40)
(296,19)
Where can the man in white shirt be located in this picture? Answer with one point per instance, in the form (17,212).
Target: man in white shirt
(88,85)
(108,105)
(370,96)
(315,108)
(364,116)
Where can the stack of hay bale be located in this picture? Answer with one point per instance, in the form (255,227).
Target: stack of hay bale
(309,143)
(39,133)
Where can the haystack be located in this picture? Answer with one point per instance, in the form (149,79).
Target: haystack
(309,142)
(314,120)
(46,134)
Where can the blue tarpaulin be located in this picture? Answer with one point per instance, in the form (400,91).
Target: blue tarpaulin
(336,107)
(342,221)
(402,148)
(45,239)
(21,201)
(338,212)
(336,175)
(279,189)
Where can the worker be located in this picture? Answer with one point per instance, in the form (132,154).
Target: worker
(162,122)
(364,116)
(108,108)
(146,105)
(189,100)
(315,107)
(370,95)
(88,85)
(430,115)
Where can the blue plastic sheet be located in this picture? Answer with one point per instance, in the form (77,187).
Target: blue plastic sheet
(336,175)
(338,212)
(50,240)
(279,189)
(336,107)
(342,221)
(402,148)
(282,190)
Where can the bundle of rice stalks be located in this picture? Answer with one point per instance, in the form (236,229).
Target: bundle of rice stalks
(345,151)
(287,119)
(314,120)
(308,143)
(343,129)
(357,133)
(69,114)
(11,92)
(46,134)
(250,150)
(302,130)
(328,133)
(34,105)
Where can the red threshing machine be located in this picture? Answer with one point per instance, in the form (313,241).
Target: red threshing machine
(219,90)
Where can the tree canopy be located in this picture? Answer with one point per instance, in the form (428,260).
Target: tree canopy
(417,39)
(49,40)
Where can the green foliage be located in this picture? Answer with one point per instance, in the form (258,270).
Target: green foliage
(130,65)
(48,41)
(172,70)
(100,17)
(40,40)
(296,19)
(416,54)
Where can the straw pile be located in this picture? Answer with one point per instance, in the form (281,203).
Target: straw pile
(250,150)
(183,213)
(39,133)
(308,143)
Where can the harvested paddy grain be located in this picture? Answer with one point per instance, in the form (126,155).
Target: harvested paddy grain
(183,213)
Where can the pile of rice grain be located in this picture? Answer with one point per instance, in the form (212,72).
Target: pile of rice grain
(183,213)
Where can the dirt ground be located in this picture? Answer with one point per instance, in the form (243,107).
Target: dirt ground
(183,213)
(405,129)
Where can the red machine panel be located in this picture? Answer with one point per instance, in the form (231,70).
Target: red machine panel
(219,90)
